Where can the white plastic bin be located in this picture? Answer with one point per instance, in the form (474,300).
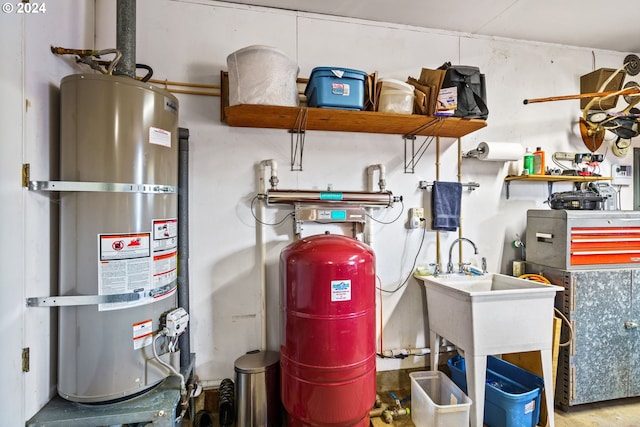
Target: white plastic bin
(437,402)
(395,97)
(262,75)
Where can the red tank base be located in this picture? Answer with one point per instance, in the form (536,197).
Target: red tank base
(295,422)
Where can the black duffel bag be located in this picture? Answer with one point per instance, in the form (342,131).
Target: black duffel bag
(472,93)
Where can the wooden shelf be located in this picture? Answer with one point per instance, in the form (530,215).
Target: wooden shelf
(293,118)
(550,179)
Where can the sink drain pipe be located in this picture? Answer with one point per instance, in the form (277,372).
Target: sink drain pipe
(401,353)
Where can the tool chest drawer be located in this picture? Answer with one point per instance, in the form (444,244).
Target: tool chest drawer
(583,239)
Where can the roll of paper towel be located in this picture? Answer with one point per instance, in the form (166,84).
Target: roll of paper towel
(500,151)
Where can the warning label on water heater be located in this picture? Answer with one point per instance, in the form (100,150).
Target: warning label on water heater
(124,266)
(159,136)
(340,290)
(142,334)
(138,268)
(165,252)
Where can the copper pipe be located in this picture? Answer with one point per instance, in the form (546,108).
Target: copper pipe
(460,180)
(192,92)
(85,57)
(175,83)
(80,52)
(172,83)
(459,160)
(630,91)
(438,179)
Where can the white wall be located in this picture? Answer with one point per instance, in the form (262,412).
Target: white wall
(11,221)
(189,41)
(30,78)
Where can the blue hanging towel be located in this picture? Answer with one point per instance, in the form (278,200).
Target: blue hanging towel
(445,205)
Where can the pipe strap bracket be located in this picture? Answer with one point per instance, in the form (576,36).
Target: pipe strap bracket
(76,300)
(110,187)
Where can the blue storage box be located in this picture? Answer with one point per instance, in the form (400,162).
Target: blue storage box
(512,394)
(334,87)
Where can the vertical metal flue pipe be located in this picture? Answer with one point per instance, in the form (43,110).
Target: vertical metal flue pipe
(183,239)
(126,37)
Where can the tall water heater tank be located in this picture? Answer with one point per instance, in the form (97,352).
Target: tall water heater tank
(327,354)
(118,233)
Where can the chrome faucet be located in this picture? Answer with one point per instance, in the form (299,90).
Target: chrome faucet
(460,263)
(436,269)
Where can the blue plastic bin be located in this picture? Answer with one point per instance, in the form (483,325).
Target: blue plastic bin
(335,87)
(512,394)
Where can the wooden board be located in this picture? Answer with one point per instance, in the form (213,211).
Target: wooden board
(306,118)
(530,361)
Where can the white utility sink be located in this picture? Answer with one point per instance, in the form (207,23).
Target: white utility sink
(492,313)
(487,315)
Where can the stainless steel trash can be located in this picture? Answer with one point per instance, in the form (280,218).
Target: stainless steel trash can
(258,390)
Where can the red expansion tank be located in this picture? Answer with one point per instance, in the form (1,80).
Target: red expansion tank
(328,353)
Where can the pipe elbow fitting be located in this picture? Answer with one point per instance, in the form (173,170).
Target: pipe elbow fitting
(273,165)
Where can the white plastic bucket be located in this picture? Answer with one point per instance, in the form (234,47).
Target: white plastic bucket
(436,401)
(262,75)
(395,97)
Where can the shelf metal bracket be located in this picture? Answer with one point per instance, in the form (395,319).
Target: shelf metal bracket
(412,156)
(297,146)
(409,166)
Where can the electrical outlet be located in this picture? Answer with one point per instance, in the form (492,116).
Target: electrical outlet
(563,155)
(414,217)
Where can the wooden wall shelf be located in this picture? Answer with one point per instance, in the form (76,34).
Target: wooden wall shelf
(556,178)
(293,118)
(550,179)
(298,120)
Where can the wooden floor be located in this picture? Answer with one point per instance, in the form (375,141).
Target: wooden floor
(614,413)
(618,413)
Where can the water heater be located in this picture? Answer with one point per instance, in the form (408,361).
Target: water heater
(118,233)
(327,353)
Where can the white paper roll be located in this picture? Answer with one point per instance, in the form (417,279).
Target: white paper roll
(500,151)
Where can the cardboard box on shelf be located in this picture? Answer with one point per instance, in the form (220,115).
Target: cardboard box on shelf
(422,97)
(427,89)
(371,92)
